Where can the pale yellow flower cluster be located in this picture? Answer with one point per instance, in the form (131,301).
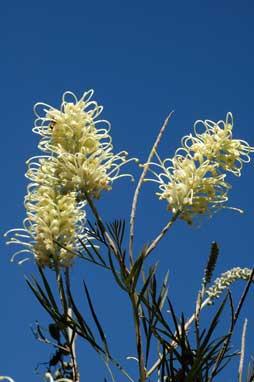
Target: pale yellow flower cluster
(81,145)
(217,145)
(54,223)
(73,128)
(79,162)
(193,181)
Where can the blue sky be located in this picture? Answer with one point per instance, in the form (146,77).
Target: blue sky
(143,59)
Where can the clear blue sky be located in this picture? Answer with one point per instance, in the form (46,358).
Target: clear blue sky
(143,59)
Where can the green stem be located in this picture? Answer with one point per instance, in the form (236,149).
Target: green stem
(142,370)
(162,233)
(71,335)
(139,185)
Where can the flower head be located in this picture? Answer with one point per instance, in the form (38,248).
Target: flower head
(73,127)
(193,181)
(190,187)
(82,150)
(88,174)
(216,144)
(54,223)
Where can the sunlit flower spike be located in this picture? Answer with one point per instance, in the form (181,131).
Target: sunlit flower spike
(54,224)
(83,156)
(214,141)
(189,188)
(193,181)
(72,127)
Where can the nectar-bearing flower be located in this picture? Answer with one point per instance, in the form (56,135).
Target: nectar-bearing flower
(79,173)
(73,127)
(189,187)
(54,223)
(81,148)
(216,144)
(193,181)
(88,174)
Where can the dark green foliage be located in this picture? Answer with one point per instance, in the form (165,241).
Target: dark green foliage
(182,361)
(183,355)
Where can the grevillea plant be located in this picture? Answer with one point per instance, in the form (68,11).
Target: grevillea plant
(76,167)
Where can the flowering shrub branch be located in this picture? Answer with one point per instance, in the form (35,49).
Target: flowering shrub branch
(78,164)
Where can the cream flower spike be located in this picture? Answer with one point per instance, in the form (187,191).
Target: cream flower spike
(79,173)
(82,153)
(188,187)
(72,127)
(215,143)
(89,174)
(54,223)
(193,181)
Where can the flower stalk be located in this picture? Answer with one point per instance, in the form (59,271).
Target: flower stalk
(140,182)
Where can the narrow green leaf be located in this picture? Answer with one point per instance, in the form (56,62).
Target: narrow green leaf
(41,300)
(163,292)
(174,318)
(213,324)
(166,333)
(146,284)
(86,249)
(62,294)
(48,289)
(132,279)
(87,332)
(112,267)
(97,252)
(98,325)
